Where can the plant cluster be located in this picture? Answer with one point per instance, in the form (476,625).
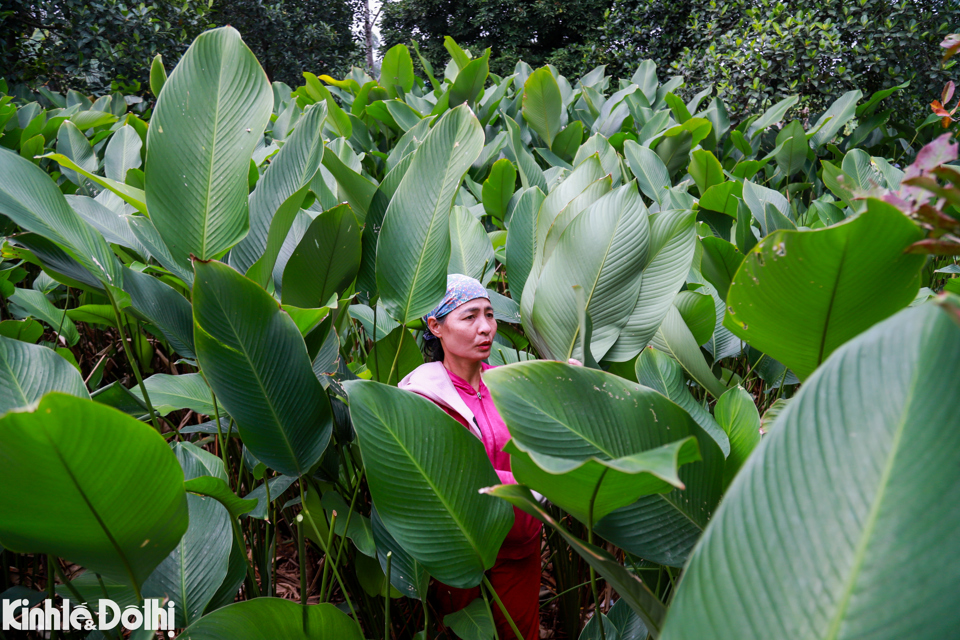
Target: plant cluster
(208,303)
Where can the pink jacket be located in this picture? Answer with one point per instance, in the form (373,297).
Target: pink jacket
(478,414)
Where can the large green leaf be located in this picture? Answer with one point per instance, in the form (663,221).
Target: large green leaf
(498,188)
(393,356)
(800,294)
(171,393)
(37,305)
(835,117)
(122,154)
(193,571)
(471,252)
(543,104)
(209,116)
(675,337)
(853,492)
(425,472)
(591,432)
(396,70)
(522,239)
(272,203)
(254,358)
(473,622)
(32,200)
(89,466)
(603,250)
(325,261)
(737,414)
(406,574)
(469,82)
(660,372)
(159,304)
(28,371)
(414,245)
(272,618)
(670,254)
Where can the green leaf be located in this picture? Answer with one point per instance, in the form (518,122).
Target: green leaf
(394,356)
(28,371)
(29,330)
(32,200)
(122,154)
(651,173)
(160,305)
(522,239)
(698,312)
(603,250)
(208,119)
(37,305)
(158,75)
(722,198)
(570,442)
(670,254)
(219,490)
(460,57)
(271,618)
(473,622)
(675,337)
(771,116)
(662,373)
(470,81)
(414,245)
(568,141)
(498,188)
(471,252)
(354,188)
(396,70)
(793,148)
(737,414)
(278,196)
(101,314)
(800,294)
(627,585)
(859,491)
(765,205)
(255,360)
(705,170)
(839,113)
(193,571)
(406,574)
(543,104)
(719,263)
(325,261)
(81,460)
(171,393)
(411,449)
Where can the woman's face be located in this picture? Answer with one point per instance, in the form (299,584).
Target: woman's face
(467,331)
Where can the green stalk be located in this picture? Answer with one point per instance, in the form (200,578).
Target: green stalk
(114,633)
(132,358)
(251,574)
(486,601)
(506,614)
(223,443)
(386,605)
(302,551)
(593,574)
(267,555)
(353,502)
(336,574)
(397,356)
(329,558)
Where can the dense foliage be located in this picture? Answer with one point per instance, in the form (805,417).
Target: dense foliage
(210,303)
(755,52)
(537,32)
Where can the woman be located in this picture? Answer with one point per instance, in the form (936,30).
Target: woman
(460,333)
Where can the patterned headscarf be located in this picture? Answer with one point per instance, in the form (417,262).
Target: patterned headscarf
(460,289)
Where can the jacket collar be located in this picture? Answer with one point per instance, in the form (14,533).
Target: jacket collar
(432,381)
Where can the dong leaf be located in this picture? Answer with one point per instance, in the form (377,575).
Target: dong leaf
(800,294)
(414,245)
(543,104)
(425,472)
(80,459)
(256,362)
(28,371)
(853,480)
(212,110)
(325,261)
(270,618)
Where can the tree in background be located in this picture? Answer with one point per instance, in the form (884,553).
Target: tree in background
(535,31)
(88,44)
(755,52)
(293,36)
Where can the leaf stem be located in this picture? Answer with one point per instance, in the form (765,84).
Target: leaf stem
(503,609)
(132,358)
(386,605)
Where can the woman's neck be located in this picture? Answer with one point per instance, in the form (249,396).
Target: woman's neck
(469,370)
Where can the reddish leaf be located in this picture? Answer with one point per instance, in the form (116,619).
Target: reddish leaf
(940,151)
(935,247)
(952,44)
(948,90)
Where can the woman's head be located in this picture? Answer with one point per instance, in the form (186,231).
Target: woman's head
(462,325)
